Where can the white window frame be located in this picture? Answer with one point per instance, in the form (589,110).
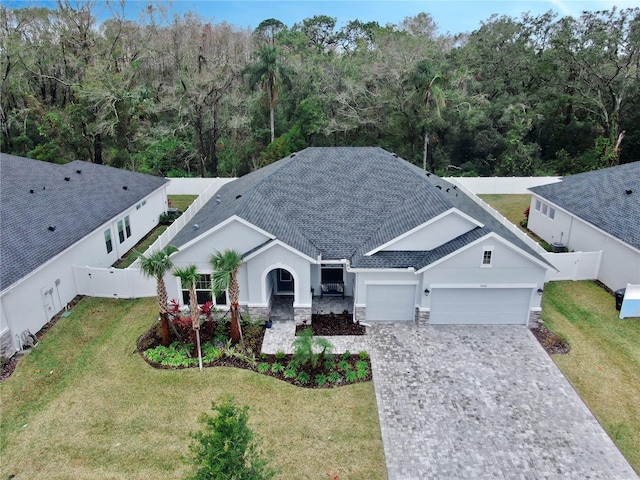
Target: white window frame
(108,241)
(487,254)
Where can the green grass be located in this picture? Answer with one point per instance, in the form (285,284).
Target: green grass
(181,202)
(83,400)
(512,207)
(604,363)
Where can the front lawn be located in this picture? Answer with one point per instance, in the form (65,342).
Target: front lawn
(604,362)
(83,404)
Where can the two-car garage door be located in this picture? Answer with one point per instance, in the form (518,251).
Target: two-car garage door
(483,306)
(450,306)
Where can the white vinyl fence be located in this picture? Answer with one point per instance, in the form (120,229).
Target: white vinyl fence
(113,283)
(506,185)
(166,237)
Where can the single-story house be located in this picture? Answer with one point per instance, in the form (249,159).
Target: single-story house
(56,216)
(399,243)
(594,211)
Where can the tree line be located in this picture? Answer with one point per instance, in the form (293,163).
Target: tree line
(182,95)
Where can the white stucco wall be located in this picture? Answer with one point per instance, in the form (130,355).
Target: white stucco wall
(619,264)
(26,307)
(434,234)
(508,267)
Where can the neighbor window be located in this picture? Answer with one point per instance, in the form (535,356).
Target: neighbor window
(107,240)
(538,205)
(487,254)
(203,291)
(121,231)
(544,208)
(552,213)
(127,226)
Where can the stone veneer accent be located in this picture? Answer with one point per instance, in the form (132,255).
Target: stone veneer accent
(534,319)
(422,317)
(302,314)
(258,312)
(360,314)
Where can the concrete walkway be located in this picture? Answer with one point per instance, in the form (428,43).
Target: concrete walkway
(475,402)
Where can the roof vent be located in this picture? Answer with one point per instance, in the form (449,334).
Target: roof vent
(628,192)
(438,187)
(66,179)
(31,191)
(395,155)
(125,188)
(238,196)
(52,228)
(78,172)
(292,155)
(196,226)
(428,174)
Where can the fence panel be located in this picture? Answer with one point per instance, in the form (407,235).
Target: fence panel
(113,283)
(573,265)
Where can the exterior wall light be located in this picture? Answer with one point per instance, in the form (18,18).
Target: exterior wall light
(426,292)
(540,291)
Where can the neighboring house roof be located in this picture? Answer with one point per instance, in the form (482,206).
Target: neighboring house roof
(600,197)
(342,202)
(75,207)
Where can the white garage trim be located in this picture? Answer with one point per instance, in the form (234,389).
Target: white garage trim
(387,301)
(486,305)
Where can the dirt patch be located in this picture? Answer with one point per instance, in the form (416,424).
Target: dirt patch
(553,343)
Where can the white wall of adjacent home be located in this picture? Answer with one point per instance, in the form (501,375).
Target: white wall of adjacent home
(36,298)
(194,186)
(596,254)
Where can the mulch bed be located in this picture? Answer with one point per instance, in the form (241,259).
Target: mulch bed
(333,324)
(551,342)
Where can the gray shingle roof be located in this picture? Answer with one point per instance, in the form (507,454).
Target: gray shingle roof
(75,207)
(599,197)
(341,203)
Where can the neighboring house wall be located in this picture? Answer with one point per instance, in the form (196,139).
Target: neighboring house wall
(35,299)
(619,264)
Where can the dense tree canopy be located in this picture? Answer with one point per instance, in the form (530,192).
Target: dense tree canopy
(184,96)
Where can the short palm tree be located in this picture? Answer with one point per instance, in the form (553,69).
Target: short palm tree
(156,265)
(225,277)
(189,278)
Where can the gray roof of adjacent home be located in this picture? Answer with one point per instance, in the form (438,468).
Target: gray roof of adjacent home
(600,197)
(342,202)
(34,196)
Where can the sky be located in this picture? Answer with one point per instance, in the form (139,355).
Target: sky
(451,16)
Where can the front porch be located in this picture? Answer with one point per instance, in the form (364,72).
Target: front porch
(282,306)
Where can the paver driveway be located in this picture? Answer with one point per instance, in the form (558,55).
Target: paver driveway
(482,402)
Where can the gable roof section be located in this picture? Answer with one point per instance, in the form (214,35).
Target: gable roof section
(75,207)
(343,202)
(599,197)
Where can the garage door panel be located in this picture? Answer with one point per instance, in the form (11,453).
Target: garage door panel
(485,306)
(390,303)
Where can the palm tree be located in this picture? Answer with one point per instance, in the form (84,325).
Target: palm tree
(189,278)
(156,266)
(269,71)
(225,277)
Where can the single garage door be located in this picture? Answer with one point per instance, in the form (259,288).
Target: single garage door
(483,306)
(390,302)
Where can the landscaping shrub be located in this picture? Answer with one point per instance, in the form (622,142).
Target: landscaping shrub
(226,448)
